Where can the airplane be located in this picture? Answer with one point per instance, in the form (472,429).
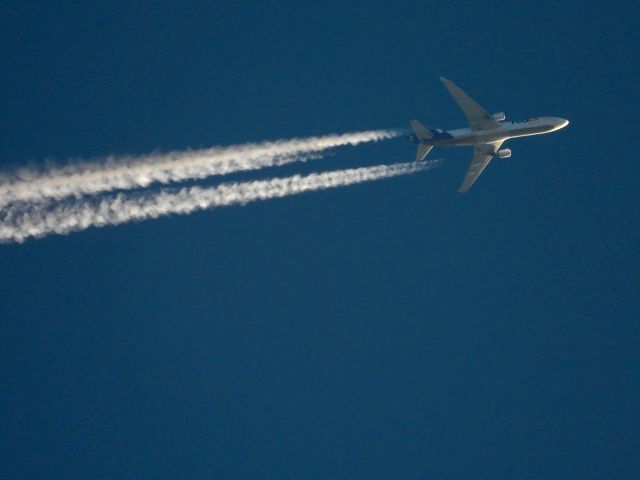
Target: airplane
(486,133)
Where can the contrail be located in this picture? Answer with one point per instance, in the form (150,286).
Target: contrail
(21,221)
(129,172)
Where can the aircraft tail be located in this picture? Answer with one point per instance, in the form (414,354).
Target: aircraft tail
(420,130)
(423,151)
(422,135)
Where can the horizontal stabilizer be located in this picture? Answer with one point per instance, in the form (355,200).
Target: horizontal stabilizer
(423,151)
(420,130)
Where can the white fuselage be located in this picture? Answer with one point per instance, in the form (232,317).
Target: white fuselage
(505,131)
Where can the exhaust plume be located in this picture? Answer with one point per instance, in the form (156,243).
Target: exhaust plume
(21,221)
(81,178)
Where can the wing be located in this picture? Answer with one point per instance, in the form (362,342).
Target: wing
(482,155)
(479,118)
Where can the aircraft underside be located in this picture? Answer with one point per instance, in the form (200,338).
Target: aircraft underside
(486,133)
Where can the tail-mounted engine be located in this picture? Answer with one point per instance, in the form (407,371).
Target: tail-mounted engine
(499,117)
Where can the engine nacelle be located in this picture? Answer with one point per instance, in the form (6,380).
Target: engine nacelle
(504,153)
(499,117)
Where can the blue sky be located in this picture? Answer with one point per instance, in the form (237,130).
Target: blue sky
(391,329)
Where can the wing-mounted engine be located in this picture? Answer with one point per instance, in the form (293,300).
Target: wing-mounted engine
(504,153)
(499,117)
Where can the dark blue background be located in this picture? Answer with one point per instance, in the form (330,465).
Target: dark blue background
(390,330)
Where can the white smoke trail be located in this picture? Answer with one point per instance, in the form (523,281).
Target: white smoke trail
(129,172)
(21,221)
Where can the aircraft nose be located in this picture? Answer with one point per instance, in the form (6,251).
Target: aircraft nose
(562,122)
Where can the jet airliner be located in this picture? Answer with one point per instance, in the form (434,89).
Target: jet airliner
(486,133)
